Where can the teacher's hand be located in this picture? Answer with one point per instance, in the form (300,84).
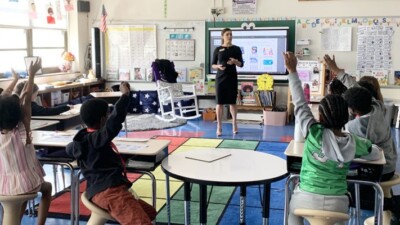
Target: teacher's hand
(221,67)
(232,61)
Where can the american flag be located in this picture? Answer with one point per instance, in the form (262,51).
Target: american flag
(103,20)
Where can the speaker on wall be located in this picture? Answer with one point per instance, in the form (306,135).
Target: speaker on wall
(96,52)
(83,6)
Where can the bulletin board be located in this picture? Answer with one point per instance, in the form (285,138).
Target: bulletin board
(180,49)
(374,44)
(132,45)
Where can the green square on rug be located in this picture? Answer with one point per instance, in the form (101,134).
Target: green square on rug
(220,194)
(239,144)
(214,212)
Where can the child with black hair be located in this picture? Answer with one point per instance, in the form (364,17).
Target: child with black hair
(328,151)
(38,110)
(336,87)
(369,114)
(102,166)
(367,85)
(20,171)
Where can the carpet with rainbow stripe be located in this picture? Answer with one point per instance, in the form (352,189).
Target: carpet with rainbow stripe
(223,206)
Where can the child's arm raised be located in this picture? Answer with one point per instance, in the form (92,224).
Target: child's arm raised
(10,88)
(26,98)
(302,112)
(346,79)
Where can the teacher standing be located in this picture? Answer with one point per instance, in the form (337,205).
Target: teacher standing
(225,59)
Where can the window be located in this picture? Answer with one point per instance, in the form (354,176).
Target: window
(26,34)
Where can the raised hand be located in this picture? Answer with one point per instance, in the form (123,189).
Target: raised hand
(331,63)
(35,66)
(125,88)
(290,61)
(15,74)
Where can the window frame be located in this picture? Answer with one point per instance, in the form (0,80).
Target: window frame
(29,46)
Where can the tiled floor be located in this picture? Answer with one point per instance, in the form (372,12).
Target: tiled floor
(206,129)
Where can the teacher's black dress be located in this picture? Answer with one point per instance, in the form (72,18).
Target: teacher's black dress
(226,81)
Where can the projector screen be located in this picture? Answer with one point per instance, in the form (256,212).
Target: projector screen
(261,48)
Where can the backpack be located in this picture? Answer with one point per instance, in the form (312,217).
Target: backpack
(164,70)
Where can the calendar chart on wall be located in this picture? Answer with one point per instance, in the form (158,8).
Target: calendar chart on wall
(129,48)
(182,49)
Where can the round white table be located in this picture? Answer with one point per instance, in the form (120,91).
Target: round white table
(233,168)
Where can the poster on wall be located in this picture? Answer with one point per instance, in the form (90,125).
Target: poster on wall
(130,46)
(312,76)
(180,49)
(244,7)
(374,49)
(336,39)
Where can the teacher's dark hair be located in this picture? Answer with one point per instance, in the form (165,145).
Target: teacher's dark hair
(223,32)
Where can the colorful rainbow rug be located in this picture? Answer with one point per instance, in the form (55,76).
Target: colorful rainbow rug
(223,207)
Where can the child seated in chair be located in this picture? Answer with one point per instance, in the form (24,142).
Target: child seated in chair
(328,151)
(20,171)
(369,122)
(38,110)
(101,164)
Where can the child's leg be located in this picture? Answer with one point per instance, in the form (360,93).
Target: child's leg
(44,205)
(123,206)
(148,209)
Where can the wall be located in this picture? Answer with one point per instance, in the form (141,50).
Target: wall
(153,10)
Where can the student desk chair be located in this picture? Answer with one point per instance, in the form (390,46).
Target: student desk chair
(357,175)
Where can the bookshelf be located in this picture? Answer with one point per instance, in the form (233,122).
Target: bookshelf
(68,92)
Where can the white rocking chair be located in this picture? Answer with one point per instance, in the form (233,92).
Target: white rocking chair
(171,93)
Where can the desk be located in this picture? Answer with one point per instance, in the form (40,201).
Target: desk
(110,97)
(242,168)
(357,174)
(65,120)
(43,124)
(145,158)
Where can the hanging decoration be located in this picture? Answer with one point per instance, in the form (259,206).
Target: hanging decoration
(50,13)
(32,10)
(68,5)
(58,10)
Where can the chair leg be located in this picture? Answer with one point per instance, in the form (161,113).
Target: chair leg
(96,220)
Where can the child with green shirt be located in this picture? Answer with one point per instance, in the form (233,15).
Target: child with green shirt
(328,151)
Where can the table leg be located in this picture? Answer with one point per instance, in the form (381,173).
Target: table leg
(126,128)
(242,214)
(357,203)
(266,198)
(167,190)
(186,190)
(203,204)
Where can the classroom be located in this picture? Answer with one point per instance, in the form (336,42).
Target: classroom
(87,48)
